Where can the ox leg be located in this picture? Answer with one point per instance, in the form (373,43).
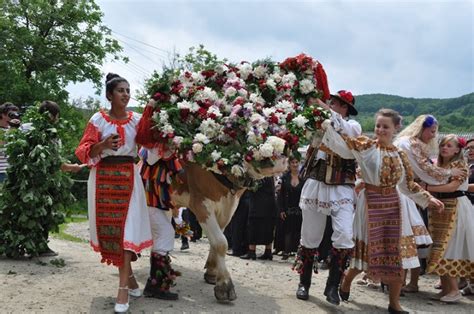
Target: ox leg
(224,289)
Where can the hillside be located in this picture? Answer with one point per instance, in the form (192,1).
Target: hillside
(453,114)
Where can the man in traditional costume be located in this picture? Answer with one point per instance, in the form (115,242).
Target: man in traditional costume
(329,190)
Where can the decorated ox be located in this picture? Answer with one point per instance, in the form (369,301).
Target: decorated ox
(214,199)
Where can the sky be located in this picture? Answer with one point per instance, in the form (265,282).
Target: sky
(418,48)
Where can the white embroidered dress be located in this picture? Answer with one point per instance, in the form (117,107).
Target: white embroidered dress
(137,233)
(379,166)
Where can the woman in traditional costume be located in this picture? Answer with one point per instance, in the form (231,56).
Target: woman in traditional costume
(419,140)
(118,216)
(452,253)
(381,247)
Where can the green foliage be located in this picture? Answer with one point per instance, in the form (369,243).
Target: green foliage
(48,44)
(34,196)
(453,114)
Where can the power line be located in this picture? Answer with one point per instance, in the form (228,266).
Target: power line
(141,42)
(138,51)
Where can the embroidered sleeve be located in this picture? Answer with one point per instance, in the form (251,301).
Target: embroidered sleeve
(409,187)
(144,132)
(423,163)
(345,146)
(90,137)
(460,164)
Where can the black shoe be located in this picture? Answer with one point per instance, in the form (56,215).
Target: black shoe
(184,246)
(332,296)
(344,295)
(250,255)
(285,256)
(266,256)
(163,295)
(393,311)
(302,293)
(276,252)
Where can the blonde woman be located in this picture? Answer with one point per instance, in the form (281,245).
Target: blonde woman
(452,253)
(419,141)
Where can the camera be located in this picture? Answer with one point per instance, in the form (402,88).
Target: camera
(15,119)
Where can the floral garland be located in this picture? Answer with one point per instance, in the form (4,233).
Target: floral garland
(226,116)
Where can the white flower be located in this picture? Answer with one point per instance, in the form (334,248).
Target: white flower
(271,83)
(184,104)
(173,99)
(198,78)
(300,121)
(197,148)
(289,78)
(163,116)
(248,106)
(177,140)
(267,111)
(252,138)
(168,129)
(266,150)
(286,105)
(243,92)
(219,69)
(277,143)
(245,70)
(199,137)
(215,110)
(210,128)
(230,92)
(276,77)
(216,155)
(237,170)
(260,71)
(306,86)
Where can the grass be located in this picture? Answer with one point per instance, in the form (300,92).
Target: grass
(65,236)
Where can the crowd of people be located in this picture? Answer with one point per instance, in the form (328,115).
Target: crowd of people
(375,205)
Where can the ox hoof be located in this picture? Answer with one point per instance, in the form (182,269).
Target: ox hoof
(225,291)
(210,279)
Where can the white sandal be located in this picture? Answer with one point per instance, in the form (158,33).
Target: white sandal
(134,292)
(121,308)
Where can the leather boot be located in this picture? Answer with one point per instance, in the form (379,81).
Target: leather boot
(339,261)
(161,278)
(304,266)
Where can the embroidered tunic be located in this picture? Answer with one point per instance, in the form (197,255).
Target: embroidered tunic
(319,196)
(136,233)
(384,240)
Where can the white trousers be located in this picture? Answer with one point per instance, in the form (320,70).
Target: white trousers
(162,230)
(314,223)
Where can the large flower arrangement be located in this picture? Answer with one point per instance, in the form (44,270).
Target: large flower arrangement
(226,116)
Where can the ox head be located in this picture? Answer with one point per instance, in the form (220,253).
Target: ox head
(280,165)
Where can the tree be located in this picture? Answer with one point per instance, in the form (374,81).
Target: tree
(46,44)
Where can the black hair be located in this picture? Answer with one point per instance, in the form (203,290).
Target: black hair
(49,106)
(111,81)
(7,107)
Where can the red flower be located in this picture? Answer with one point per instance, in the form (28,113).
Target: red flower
(212,116)
(273,119)
(249,156)
(346,95)
(316,113)
(202,113)
(462,142)
(184,113)
(239,101)
(161,97)
(289,117)
(208,73)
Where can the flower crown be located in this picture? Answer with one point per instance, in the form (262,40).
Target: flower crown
(429,121)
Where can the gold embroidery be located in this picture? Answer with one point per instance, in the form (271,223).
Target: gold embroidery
(462,165)
(455,268)
(418,149)
(391,171)
(411,184)
(441,226)
(359,143)
(408,247)
(419,230)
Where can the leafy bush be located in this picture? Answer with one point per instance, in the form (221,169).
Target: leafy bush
(35,193)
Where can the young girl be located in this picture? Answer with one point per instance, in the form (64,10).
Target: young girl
(118,217)
(452,253)
(381,249)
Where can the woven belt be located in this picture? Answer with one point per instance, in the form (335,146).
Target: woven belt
(455,194)
(380,190)
(117,159)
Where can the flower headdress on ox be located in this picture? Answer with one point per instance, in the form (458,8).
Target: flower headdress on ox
(226,115)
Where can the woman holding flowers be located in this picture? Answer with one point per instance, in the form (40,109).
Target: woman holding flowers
(380,247)
(119,223)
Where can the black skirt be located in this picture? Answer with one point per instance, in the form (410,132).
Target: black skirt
(261,230)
